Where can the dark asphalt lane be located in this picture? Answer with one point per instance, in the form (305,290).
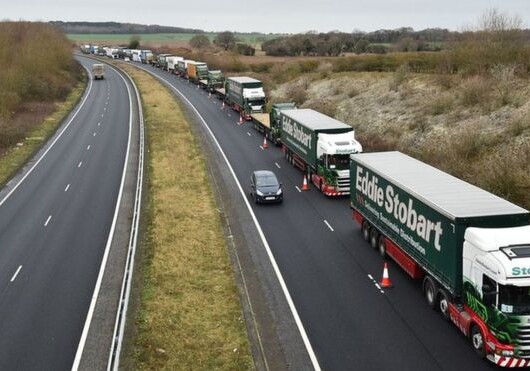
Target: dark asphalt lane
(350,323)
(55,226)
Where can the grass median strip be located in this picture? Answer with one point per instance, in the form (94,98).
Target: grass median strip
(189,316)
(19,155)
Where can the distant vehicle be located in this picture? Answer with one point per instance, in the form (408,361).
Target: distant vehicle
(264,187)
(98,70)
(245,95)
(127,59)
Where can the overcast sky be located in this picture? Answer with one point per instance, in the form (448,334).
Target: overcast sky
(290,16)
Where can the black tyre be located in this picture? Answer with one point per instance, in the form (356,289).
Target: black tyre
(477,341)
(366,231)
(429,291)
(443,303)
(381,246)
(374,238)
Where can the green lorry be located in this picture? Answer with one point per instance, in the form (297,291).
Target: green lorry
(470,247)
(214,80)
(320,146)
(245,95)
(269,123)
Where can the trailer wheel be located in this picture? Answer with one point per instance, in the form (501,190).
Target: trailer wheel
(374,238)
(477,341)
(381,246)
(429,290)
(366,231)
(443,303)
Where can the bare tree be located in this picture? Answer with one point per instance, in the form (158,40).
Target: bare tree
(200,42)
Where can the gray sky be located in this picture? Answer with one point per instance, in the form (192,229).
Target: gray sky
(289,16)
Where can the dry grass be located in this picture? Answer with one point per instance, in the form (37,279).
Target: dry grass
(190,317)
(22,144)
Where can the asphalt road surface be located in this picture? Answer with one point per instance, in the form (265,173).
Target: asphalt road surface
(53,230)
(330,271)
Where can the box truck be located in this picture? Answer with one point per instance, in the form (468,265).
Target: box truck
(245,95)
(321,147)
(197,71)
(470,247)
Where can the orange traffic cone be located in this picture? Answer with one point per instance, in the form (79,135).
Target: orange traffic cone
(385,282)
(265,144)
(305,186)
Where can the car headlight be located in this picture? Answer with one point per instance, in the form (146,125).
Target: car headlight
(279,192)
(259,193)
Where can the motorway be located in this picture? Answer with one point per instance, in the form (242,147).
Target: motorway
(55,219)
(330,271)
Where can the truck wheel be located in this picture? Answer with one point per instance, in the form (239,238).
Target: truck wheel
(429,290)
(477,341)
(443,303)
(381,246)
(366,231)
(374,238)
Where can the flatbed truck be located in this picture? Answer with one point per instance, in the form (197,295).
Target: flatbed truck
(269,123)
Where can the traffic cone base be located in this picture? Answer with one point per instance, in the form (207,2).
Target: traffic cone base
(385,282)
(305,186)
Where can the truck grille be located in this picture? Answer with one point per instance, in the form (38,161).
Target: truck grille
(343,184)
(523,338)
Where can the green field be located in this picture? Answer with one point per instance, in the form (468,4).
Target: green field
(252,38)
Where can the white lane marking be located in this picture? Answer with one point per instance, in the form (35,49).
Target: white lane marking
(16,273)
(99,123)
(67,188)
(248,134)
(102,115)
(279,276)
(97,287)
(277,165)
(329,226)
(370,276)
(88,147)
(377,285)
(298,189)
(47,221)
(95,134)
(104,109)
(80,163)
(54,141)
(262,148)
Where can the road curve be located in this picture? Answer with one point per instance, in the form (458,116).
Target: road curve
(54,227)
(330,271)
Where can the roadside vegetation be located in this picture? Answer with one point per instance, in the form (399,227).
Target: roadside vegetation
(189,316)
(40,83)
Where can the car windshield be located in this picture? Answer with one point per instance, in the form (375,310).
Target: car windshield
(514,299)
(266,181)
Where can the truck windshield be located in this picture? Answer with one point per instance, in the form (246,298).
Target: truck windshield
(514,299)
(339,162)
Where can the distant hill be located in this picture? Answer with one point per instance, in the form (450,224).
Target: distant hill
(118,28)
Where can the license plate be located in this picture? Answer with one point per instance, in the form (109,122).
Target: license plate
(270,198)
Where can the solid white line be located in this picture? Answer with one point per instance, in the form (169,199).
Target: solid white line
(95,294)
(67,188)
(277,165)
(47,221)
(298,189)
(88,147)
(279,276)
(329,226)
(54,141)
(80,163)
(16,273)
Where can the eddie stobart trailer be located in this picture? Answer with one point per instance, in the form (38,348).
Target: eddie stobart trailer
(470,247)
(245,95)
(269,123)
(320,146)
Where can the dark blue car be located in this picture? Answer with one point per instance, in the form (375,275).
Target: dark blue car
(265,188)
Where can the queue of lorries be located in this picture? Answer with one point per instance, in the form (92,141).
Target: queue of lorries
(470,248)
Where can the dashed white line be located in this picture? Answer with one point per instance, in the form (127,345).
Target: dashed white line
(47,221)
(262,148)
(67,188)
(248,134)
(16,273)
(370,276)
(95,133)
(329,226)
(104,109)
(99,123)
(298,189)
(102,114)
(277,165)
(88,147)
(80,163)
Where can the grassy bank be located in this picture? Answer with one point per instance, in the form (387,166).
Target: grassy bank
(18,154)
(189,317)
